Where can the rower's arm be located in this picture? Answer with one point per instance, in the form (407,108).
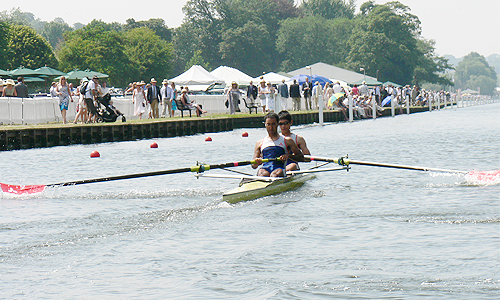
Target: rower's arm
(257,155)
(297,154)
(301,143)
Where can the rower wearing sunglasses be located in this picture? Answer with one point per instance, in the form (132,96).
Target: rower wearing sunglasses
(285,122)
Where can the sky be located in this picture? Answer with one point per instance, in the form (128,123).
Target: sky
(458,26)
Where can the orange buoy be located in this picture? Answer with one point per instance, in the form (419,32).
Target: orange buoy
(245,134)
(153,145)
(208,139)
(95,154)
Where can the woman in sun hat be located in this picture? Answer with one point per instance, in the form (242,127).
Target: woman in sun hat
(9,90)
(139,99)
(233,97)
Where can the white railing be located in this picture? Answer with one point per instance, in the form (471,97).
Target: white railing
(40,110)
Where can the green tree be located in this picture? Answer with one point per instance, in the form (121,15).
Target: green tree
(99,48)
(329,9)
(4,46)
(150,55)
(242,48)
(157,25)
(473,72)
(304,41)
(54,32)
(212,25)
(430,67)
(28,48)
(385,39)
(197,59)
(16,16)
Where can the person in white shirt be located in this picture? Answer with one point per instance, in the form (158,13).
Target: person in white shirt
(167,94)
(53,90)
(317,94)
(337,88)
(90,93)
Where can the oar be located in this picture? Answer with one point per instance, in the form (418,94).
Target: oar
(344,161)
(30,189)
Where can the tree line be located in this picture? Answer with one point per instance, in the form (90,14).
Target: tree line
(252,35)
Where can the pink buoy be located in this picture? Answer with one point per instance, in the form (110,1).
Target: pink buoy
(154,145)
(245,134)
(208,139)
(95,154)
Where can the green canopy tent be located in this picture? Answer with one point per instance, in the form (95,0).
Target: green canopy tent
(22,71)
(49,71)
(33,79)
(78,74)
(369,82)
(392,83)
(4,73)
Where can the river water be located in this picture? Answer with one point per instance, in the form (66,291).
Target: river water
(367,233)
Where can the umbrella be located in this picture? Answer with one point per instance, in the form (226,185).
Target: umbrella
(49,71)
(22,71)
(322,80)
(3,72)
(33,79)
(387,100)
(77,74)
(334,98)
(300,78)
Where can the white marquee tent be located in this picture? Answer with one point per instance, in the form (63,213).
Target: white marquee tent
(272,77)
(196,78)
(229,75)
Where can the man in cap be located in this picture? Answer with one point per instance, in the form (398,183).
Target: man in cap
(167,94)
(154,96)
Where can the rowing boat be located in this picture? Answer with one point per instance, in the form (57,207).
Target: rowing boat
(253,187)
(250,189)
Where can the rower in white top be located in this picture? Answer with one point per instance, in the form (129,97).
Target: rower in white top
(273,146)
(285,122)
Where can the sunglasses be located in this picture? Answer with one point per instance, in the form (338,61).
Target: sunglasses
(284,123)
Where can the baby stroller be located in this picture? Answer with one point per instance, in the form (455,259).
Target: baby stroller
(106,112)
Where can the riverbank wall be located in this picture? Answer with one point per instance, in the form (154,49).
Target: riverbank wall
(71,134)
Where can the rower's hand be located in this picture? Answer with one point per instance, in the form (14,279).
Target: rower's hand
(283,158)
(258,162)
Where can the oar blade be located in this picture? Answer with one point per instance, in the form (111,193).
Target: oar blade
(483,177)
(22,189)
